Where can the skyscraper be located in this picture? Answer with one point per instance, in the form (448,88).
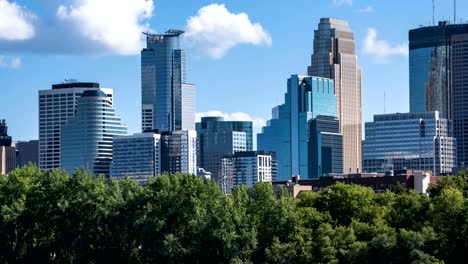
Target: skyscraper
(218,138)
(87,136)
(179,151)
(288,132)
(27,152)
(168,102)
(437,58)
(56,105)
(334,57)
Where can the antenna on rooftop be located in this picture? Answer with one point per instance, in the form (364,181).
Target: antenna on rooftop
(433,13)
(455,11)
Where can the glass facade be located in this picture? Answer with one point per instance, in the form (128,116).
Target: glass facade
(87,136)
(325,147)
(247,168)
(179,152)
(418,141)
(137,157)
(163,78)
(288,135)
(56,106)
(217,138)
(334,57)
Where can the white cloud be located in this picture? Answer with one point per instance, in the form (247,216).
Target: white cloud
(382,50)
(116,24)
(367,9)
(9,62)
(236,116)
(214,30)
(16,23)
(342,2)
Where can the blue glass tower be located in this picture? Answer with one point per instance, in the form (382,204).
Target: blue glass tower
(87,137)
(288,133)
(168,102)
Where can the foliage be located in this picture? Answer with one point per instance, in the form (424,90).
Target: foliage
(51,216)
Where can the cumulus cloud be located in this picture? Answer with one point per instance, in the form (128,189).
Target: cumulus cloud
(116,24)
(9,62)
(342,2)
(214,30)
(236,116)
(382,50)
(367,9)
(16,22)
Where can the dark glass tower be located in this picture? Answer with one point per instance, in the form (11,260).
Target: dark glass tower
(437,58)
(5,140)
(168,102)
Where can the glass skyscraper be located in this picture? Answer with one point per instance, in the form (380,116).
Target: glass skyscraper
(288,132)
(437,58)
(87,136)
(415,141)
(334,57)
(56,106)
(168,102)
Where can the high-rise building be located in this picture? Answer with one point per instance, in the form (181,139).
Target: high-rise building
(430,55)
(247,168)
(179,151)
(335,57)
(218,138)
(287,133)
(27,152)
(415,141)
(7,152)
(326,147)
(168,102)
(56,106)
(86,138)
(137,157)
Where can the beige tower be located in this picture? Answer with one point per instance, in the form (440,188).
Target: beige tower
(334,57)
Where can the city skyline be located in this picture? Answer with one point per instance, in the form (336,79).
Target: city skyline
(216,92)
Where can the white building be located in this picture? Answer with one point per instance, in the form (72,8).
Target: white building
(247,168)
(137,157)
(56,105)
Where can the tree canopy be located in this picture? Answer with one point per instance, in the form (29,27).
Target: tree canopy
(53,217)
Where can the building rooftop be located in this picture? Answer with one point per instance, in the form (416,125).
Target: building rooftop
(74,84)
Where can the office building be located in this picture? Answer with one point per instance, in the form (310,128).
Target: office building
(247,168)
(56,106)
(7,152)
(460,96)
(86,138)
(168,102)
(287,133)
(218,138)
(334,57)
(326,147)
(416,141)
(27,152)
(179,151)
(137,157)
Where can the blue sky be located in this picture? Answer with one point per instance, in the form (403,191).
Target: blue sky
(239,52)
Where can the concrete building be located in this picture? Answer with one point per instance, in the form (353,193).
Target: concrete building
(418,141)
(86,138)
(137,157)
(27,152)
(217,138)
(247,168)
(287,134)
(7,151)
(56,106)
(334,57)
(168,102)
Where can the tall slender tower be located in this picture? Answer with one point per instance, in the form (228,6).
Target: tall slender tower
(168,102)
(334,57)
